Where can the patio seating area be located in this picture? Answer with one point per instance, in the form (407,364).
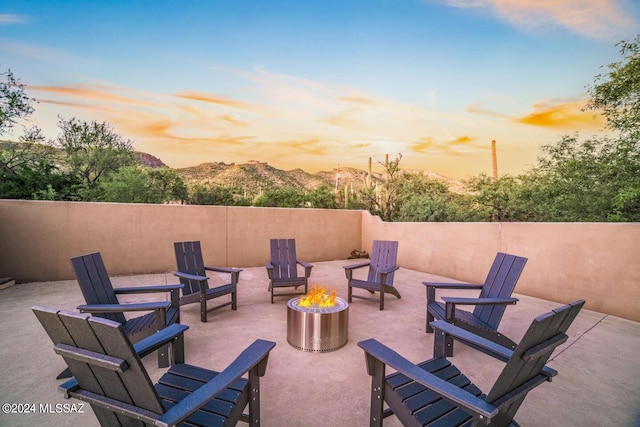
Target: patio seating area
(598,381)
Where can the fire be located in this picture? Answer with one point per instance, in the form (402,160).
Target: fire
(318,297)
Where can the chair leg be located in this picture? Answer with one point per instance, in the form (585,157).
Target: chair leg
(349,298)
(178,349)
(381,299)
(377,393)
(234,301)
(203,310)
(254,399)
(163,356)
(430,319)
(160,324)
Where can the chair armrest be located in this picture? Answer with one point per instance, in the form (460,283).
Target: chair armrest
(390,269)
(252,357)
(188,276)
(114,308)
(234,272)
(358,265)
(223,269)
(155,341)
(348,269)
(472,404)
(304,264)
(148,289)
(479,343)
(448,285)
(479,301)
(472,340)
(307,267)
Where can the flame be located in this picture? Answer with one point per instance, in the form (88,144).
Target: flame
(318,297)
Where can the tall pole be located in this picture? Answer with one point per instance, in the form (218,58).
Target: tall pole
(494,158)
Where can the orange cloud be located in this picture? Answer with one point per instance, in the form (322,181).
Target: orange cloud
(89,93)
(216,100)
(359,100)
(564,115)
(461,140)
(345,120)
(423,144)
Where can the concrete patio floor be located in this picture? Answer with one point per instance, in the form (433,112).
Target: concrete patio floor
(599,367)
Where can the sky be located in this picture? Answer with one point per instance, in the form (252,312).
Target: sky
(319,85)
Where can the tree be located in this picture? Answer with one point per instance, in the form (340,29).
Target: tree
(322,197)
(139,184)
(210,194)
(287,197)
(93,151)
(29,170)
(14,102)
(617,93)
(421,198)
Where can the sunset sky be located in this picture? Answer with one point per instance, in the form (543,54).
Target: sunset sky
(317,84)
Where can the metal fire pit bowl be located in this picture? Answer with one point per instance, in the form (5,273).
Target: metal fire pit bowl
(317,329)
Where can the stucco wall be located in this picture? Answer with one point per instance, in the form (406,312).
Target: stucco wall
(38,238)
(593,261)
(598,262)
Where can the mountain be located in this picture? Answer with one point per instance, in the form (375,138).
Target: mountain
(150,161)
(255,177)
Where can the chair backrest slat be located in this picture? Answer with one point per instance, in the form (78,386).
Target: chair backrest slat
(546,332)
(189,260)
(500,283)
(95,284)
(383,255)
(284,258)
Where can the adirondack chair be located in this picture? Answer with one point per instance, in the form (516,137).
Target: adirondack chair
(109,375)
(494,296)
(435,392)
(193,275)
(282,269)
(102,301)
(382,265)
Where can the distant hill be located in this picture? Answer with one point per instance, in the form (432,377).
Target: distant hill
(145,159)
(255,177)
(150,161)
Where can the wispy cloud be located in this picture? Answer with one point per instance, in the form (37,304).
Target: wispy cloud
(594,19)
(196,96)
(39,53)
(8,19)
(562,115)
(553,114)
(91,93)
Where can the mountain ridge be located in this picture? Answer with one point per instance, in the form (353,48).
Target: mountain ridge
(256,176)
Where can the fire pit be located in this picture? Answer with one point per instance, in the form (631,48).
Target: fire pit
(317,322)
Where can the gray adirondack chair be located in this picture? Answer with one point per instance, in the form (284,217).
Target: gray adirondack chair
(193,275)
(282,269)
(435,392)
(495,295)
(382,265)
(102,301)
(109,375)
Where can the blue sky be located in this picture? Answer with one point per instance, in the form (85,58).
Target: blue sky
(317,84)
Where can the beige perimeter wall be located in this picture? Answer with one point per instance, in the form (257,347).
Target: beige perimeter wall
(597,262)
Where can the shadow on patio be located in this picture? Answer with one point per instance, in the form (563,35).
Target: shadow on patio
(599,369)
